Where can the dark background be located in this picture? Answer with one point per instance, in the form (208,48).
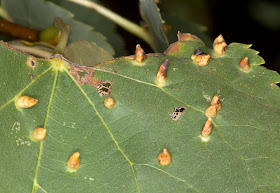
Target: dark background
(251,22)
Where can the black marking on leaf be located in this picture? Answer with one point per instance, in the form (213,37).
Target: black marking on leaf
(31,62)
(177,113)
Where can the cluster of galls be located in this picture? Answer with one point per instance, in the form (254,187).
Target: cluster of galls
(164,158)
(210,113)
(39,134)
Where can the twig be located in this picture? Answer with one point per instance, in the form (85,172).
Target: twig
(122,22)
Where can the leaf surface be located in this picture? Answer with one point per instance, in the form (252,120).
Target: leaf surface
(119,147)
(86,53)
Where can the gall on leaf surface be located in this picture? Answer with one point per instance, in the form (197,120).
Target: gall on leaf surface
(119,146)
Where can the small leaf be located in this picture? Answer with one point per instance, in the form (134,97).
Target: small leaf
(150,13)
(86,53)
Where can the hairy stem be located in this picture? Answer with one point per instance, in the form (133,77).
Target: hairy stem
(122,22)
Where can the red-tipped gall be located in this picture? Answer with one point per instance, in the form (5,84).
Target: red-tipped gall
(162,72)
(139,54)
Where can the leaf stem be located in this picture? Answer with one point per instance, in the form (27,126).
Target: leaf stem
(119,20)
(64,30)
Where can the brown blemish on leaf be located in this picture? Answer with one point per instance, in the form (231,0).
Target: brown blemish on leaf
(177,113)
(85,75)
(31,62)
(105,88)
(31,76)
(172,48)
(183,37)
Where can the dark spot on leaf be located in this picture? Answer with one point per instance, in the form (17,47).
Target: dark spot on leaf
(177,113)
(105,88)
(31,62)
(31,75)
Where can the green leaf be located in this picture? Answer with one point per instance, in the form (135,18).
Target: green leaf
(40,14)
(99,22)
(119,147)
(150,13)
(86,53)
